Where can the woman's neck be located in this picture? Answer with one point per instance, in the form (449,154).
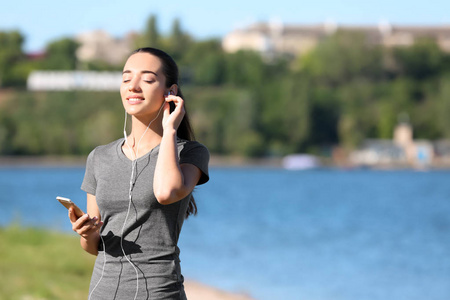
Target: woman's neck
(141,139)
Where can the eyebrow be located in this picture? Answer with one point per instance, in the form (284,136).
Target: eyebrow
(142,72)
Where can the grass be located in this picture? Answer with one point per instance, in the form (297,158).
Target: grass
(42,264)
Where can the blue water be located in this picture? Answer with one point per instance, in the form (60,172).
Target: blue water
(276,234)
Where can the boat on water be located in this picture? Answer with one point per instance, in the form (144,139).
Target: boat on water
(300,162)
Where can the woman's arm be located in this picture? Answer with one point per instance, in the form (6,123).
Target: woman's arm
(172,181)
(88,228)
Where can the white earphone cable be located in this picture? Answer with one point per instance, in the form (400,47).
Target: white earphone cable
(133,174)
(103,269)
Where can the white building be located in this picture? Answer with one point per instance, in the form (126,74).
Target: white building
(74,80)
(277,38)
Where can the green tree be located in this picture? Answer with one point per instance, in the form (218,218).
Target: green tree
(396,97)
(358,102)
(178,42)
(442,107)
(342,57)
(324,115)
(205,63)
(10,54)
(286,115)
(61,55)
(245,68)
(422,60)
(151,36)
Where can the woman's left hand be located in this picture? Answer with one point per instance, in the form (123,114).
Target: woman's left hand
(171,121)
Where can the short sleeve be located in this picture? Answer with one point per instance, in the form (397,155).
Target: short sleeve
(89,184)
(198,155)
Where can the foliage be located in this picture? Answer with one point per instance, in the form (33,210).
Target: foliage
(342,57)
(422,60)
(60,55)
(178,41)
(10,56)
(151,36)
(61,123)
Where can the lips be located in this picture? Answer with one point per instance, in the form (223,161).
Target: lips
(134,100)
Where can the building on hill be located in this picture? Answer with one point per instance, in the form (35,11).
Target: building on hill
(99,45)
(275,38)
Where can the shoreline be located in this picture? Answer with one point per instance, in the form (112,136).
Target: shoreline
(80,161)
(63,161)
(199,291)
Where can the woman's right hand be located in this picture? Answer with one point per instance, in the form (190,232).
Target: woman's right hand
(85,226)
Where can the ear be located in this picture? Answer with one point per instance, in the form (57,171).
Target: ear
(173,89)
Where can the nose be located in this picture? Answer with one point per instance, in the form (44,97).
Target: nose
(133,85)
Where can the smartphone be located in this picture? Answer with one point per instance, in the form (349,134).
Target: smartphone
(68,203)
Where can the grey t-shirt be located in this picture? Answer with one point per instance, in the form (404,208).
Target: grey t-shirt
(150,231)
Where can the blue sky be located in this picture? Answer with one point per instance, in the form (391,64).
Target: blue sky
(45,20)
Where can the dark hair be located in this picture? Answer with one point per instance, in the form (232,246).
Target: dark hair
(184,131)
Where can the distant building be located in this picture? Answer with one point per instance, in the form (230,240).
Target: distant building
(99,45)
(95,45)
(378,152)
(74,80)
(442,152)
(277,38)
(402,150)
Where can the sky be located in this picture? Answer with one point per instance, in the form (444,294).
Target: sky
(46,20)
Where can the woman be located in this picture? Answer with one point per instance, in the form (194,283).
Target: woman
(139,188)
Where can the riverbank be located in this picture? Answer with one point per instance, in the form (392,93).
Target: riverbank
(42,264)
(80,161)
(215,161)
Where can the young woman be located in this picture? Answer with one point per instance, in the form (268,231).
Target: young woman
(139,188)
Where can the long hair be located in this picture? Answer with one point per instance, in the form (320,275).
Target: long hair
(184,131)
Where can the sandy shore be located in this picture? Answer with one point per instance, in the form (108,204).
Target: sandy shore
(198,291)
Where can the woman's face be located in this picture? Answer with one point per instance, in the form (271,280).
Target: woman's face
(143,85)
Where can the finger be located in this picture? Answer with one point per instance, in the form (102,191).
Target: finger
(166,106)
(72,217)
(98,225)
(80,222)
(168,101)
(175,99)
(166,111)
(178,101)
(87,227)
(179,105)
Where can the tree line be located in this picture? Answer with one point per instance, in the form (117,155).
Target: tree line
(340,93)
